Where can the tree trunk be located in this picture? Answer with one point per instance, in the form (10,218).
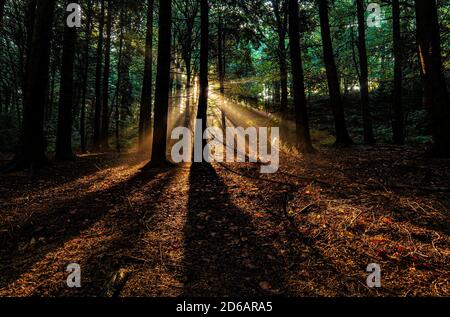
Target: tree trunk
(428,38)
(337,106)
(220,55)
(64,132)
(162,85)
(119,81)
(33,143)
(145,115)
(105,86)
(2,10)
(303,138)
(30,16)
(398,125)
(98,80)
(85,78)
(203,98)
(364,75)
(283,76)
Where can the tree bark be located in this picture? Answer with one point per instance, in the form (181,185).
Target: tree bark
(398,125)
(64,132)
(428,38)
(85,77)
(204,41)
(337,106)
(98,80)
(105,86)
(220,55)
(145,115)
(280,10)
(33,143)
(303,138)
(364,75)
(2,10)
(158,157)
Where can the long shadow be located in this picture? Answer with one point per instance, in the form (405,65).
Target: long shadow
(109,257)
(58,225)
(57,174)
(224,256)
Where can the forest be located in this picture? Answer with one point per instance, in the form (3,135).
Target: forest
(350,97)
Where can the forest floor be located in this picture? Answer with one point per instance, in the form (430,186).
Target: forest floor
(225,230)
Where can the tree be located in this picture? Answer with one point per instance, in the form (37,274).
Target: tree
(105,86)
(303,138)
(342,136)
(398,125)
(88,32)
(33,143)
(98,79)
(185,30)
(429,43)
(158,157)
(220,55)
(64,133)
(145,112)
(364,74)
(204,49)
(2,9)
(280,11)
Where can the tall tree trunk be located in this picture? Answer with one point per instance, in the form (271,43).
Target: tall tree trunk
(2,10)
(429,42)
(303,138)
(119,80)
(98,80)
(85,77)
(364,75)
(145,115)
(220,55)
(162,85)
(204,41)
(105,86)
(64,132)
(33,143)
(337,106)
(283,76)
(398,125)
(280,11)
(30,16)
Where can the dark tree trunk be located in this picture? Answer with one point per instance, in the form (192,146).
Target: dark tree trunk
(303,138)
(64,133)
(220,55)
(337,106)
(428,38)
(203,98)
(30,16)
(119,80)
(162,85)
(33,143)
(145,115)
(398,125)
(85,78)
(51,101)
(105,86)
(283,76)
(276,93)
(98,80)
(2,10)
(364,75)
